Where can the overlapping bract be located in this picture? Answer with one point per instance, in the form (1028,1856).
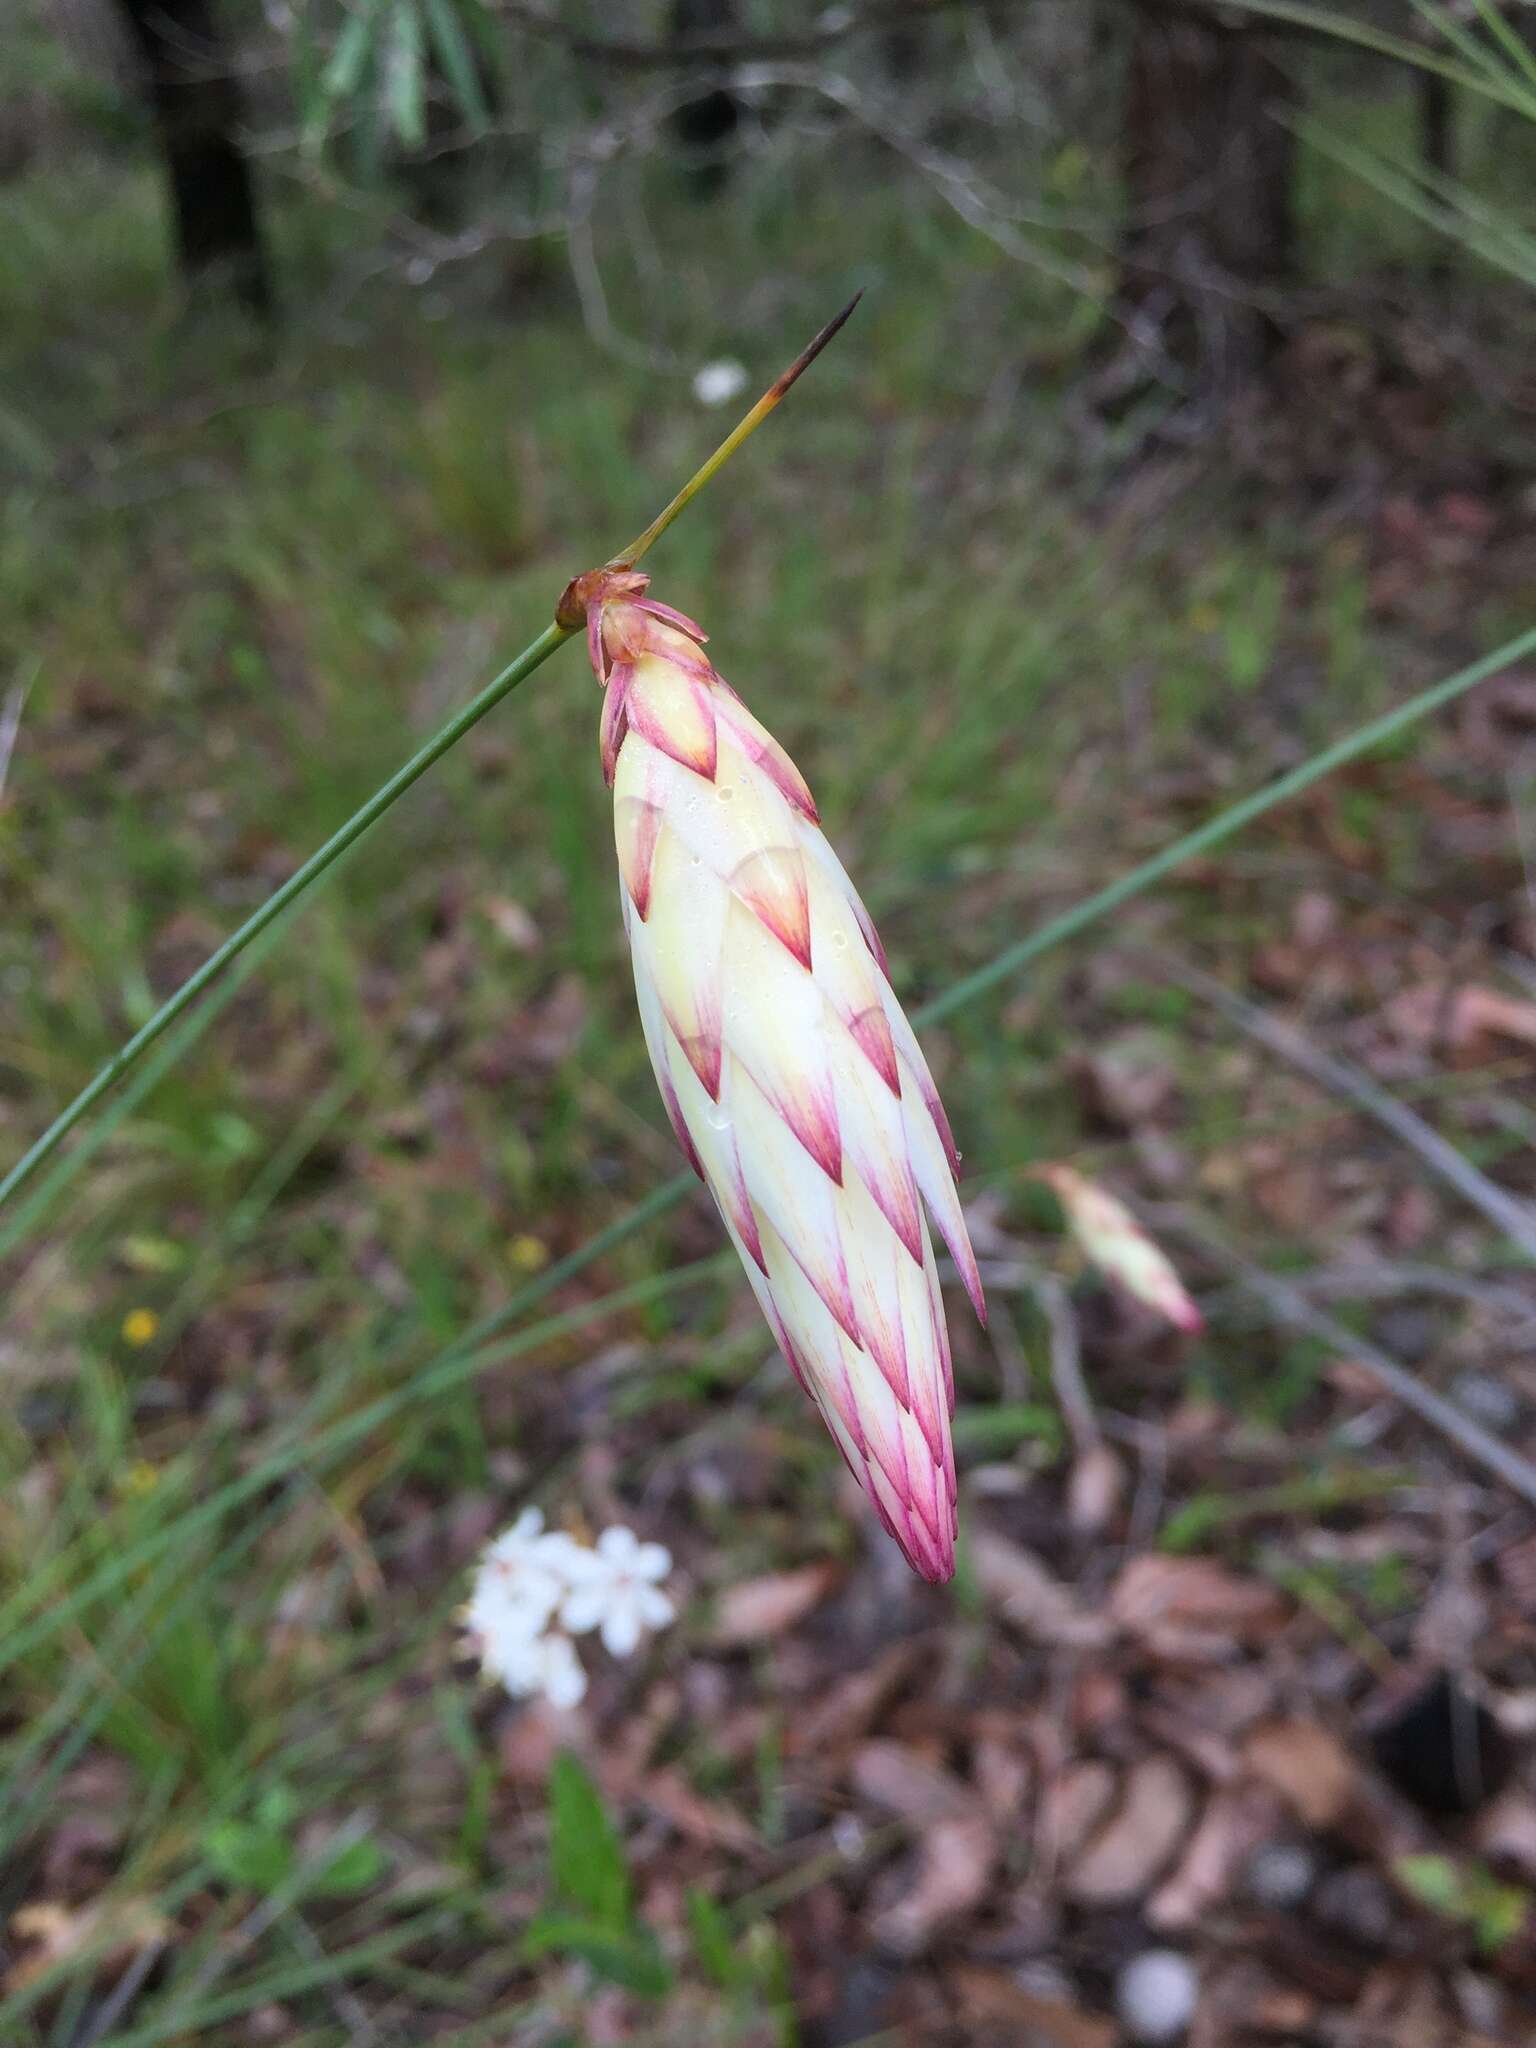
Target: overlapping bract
(793,1081)
(1117,1244)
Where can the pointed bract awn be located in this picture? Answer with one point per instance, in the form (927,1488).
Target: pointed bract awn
(793,1080)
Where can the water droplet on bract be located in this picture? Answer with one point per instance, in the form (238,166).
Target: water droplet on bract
(717,1117)
(840,940)
(697,861)
(724,791)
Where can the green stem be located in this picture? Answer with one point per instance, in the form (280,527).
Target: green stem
(777,391)
(360,821)
(1233,819)
(172,1050)
(174,1006)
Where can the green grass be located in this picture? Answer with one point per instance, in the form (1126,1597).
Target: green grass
(262,1345)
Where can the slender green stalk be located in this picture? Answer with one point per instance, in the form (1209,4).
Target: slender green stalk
(777,391)
(1326,21)
(171,1051)
(1513,46)
(517,671)
(264,1989)
(348,834)
(1225,823)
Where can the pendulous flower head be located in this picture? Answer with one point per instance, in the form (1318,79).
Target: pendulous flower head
(792,1079)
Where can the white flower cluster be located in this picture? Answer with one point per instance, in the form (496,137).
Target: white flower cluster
(534,1589)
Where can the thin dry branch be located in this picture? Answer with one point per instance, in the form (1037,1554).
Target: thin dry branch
(648,54)
(1290,1307)
(957,182)
(1342,1077)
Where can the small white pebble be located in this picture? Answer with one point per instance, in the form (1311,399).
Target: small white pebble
(1280,1875)
(716,383)
(848,1837)
(1156,1994)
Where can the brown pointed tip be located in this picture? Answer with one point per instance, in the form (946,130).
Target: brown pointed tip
(809,353)
(744,428)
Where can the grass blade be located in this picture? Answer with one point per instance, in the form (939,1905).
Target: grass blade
(1225,823)
(127,1056)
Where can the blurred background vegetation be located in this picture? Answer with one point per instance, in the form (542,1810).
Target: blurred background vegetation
(1188,420)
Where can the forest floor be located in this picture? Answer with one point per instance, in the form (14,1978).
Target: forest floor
(1241,1660)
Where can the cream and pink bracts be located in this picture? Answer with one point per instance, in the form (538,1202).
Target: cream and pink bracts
(791,1076)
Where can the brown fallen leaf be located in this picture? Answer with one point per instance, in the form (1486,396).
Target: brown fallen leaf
(1004,1776)
(904,1782)
(957,1845)
(1307,1765)
(990,1998)
(107,1932)
(1095,1490)
(1284,2012)
(528,1743)
(1018,1585)
(1192,1607)
(1129,1081)
(1072,1805)
(852,1705)
(1137,1843)
(1463,1020)
(707,1821)
(1487,1012)
(1516,1567)
(753,1610)
(1211,1754)
(954,1873)
(514,923)
(1233,1825)
(1513,698)
(1506,1832)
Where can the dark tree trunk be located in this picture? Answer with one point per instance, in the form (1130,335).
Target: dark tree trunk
(1437,128)
(1437,146)
(1209,242)
(196,101)
(704,127)
(902,49)
(445,180)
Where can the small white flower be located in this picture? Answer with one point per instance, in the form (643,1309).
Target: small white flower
(562,1679)
(521,1581)
(531,1582)
(503,1639)
(717,382)
(524,1569)
(615,1588)
(527,1665)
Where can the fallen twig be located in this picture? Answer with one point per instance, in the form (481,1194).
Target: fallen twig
(1385,1281)
(1291,1307)
(1342,1077)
